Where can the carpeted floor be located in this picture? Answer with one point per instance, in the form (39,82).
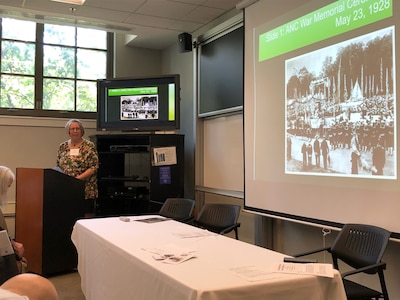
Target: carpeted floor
(68,286)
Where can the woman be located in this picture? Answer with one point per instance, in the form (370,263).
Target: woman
(78,157)
(7,177)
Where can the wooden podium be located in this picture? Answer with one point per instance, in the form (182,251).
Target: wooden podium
(48,203)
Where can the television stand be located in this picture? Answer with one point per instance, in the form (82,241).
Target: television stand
(130,180)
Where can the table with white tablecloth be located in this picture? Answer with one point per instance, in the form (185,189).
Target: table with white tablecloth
(116,261)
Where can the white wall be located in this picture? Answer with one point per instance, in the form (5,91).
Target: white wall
(131,61)
(223,153)
(182,64)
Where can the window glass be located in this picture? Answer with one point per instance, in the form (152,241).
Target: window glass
(60,35)
(11,29)
(87,96)
(58,94)
(17,58)
(46,67)
(91,64)
(58,61)
(17,92)
(91,38)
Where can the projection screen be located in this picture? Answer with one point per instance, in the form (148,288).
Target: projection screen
(320,112)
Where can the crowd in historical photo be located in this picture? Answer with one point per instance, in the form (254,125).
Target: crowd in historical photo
(139,107)
(345,123)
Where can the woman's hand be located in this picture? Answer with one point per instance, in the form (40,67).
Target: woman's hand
(18,248)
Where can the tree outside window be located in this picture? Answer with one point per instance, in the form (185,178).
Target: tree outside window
(50,68)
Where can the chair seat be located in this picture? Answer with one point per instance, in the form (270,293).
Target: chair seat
(359,292)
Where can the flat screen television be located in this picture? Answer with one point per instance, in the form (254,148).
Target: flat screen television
(139,104)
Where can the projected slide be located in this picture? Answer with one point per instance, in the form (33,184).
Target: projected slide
(339,93)
(340,108)
(320,112)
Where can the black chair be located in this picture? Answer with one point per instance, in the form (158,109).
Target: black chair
(361,247)
(179,209)
(219,218)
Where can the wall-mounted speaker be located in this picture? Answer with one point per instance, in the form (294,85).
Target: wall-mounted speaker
(185,42)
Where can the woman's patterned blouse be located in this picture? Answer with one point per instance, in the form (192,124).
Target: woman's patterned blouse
(76,165)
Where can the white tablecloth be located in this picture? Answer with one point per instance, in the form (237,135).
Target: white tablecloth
(113,264)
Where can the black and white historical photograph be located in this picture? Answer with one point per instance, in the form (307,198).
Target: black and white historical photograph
(341,109)
(139,107)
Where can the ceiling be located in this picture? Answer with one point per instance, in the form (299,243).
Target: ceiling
(156,23)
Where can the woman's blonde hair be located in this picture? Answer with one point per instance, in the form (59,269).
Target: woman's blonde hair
(6,178)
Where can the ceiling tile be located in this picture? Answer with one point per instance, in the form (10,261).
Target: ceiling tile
(166,9)
(203,14)
(193,2)
(102,14)
(222,4)
(119,5)
(146,20)
(185,26)
(12,2)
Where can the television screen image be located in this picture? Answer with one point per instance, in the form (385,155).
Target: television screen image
(139,107)
(139,104)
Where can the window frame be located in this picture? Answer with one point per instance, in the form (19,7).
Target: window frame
(37,111)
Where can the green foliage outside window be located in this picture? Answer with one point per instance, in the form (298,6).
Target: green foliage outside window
(57,72)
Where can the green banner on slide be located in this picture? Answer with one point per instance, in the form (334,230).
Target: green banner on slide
(133,91)
(331,20)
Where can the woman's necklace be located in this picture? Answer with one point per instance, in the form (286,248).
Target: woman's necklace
(76,144)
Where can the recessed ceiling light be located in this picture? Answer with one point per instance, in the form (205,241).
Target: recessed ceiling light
(76,2)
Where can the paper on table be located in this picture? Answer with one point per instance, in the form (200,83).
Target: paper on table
(254,273)
(324,270)
(192,234)
(171,254)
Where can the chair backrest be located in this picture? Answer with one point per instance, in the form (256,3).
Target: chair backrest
(360,245)
(218,216)
(179,209)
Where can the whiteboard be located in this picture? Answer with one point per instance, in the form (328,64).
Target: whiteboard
(223,153)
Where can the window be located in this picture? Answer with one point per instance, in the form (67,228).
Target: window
(50,69)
